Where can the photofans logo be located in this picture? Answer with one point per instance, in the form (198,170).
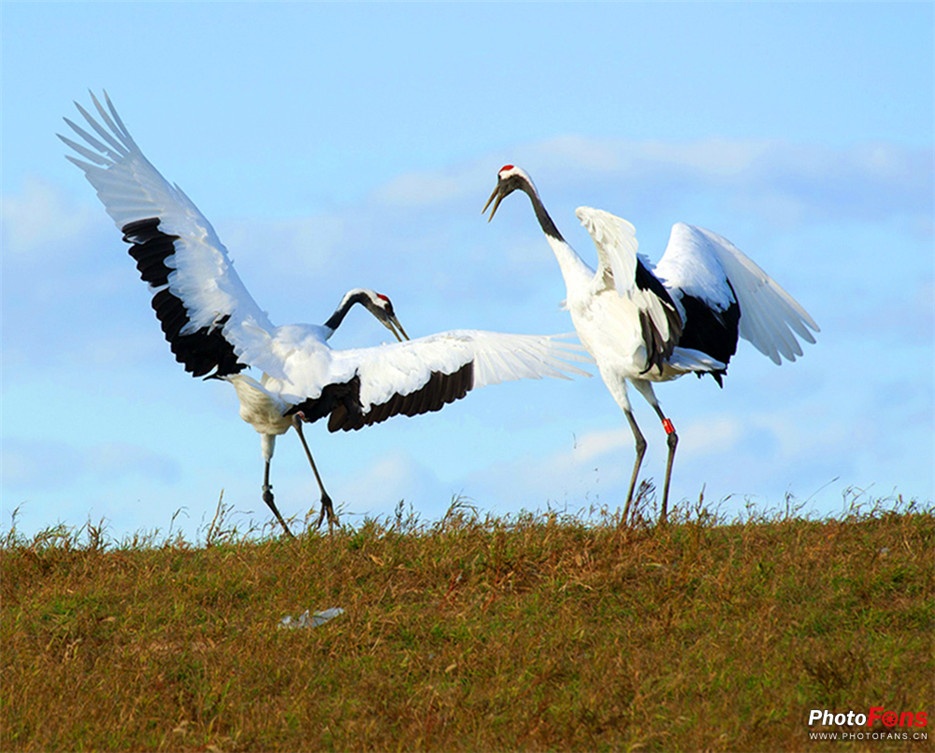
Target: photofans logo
(879,723)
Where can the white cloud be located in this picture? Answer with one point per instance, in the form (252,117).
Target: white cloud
(709,437)
(393,476)
(41,220)
(777,179)
(591,464)
(419,189)
(41,464)
(594,445)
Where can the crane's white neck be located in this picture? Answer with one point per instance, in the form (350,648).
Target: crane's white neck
(575,271)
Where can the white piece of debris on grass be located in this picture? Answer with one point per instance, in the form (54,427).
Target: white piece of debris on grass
(310,620)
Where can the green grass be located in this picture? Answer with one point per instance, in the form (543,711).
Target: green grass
(473,633)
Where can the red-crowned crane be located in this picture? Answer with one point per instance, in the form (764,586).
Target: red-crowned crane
(271,416)
(216,329)
(644,324)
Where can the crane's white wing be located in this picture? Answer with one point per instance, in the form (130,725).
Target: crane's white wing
(207,315)
(402,368)
(362,386)
(615,240)
(711,268)
(632,278)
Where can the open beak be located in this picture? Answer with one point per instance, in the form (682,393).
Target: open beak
(393,325)
(498,195)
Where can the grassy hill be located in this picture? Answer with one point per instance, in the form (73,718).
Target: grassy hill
(535,632)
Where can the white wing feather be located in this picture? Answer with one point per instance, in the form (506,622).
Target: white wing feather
(615,240)
(701,263)
(132,189)
(403,368)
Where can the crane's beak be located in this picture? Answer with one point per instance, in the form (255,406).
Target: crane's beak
(498,195)
(393,325)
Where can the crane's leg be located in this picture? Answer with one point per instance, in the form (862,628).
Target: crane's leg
(640,443)
(672,440)
(327,508)
(618,390)
(269,442)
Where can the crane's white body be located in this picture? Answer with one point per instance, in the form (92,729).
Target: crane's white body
(607,323)
(215,327)
(645,324)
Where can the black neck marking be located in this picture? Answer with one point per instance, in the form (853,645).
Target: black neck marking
(545,221)
(334,321)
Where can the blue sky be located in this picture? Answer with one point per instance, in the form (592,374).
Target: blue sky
(336,145)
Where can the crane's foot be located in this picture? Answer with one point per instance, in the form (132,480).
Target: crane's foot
(268,499)
(327,510)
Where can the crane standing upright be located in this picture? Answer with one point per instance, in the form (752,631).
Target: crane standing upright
(645,324)
(216,329)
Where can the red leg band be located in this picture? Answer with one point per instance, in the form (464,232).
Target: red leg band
(667,425)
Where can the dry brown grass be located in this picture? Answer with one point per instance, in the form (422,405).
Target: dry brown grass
(539,632)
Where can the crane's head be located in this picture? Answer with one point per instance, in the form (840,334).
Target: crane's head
(509,179)
(382,308)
